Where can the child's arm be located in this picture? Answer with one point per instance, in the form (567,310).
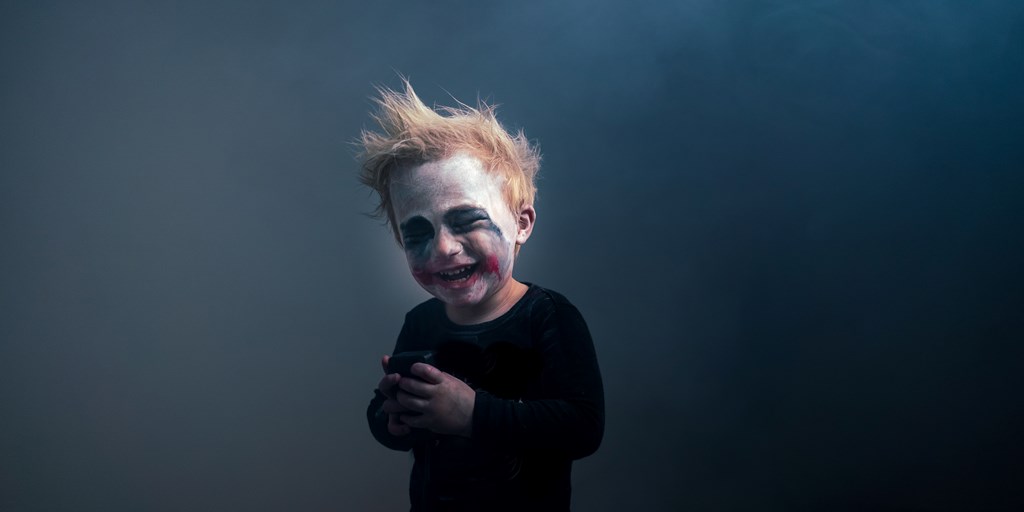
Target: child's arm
(378,420)
(571,421)
(376,413)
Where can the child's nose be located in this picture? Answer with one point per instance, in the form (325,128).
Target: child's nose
(447,244)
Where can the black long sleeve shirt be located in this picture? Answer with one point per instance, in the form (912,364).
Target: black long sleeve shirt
(539,405)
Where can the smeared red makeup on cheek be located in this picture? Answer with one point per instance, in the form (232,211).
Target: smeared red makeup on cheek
(492,266)
(423,277)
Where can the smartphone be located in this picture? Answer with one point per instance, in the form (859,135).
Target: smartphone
(401,363)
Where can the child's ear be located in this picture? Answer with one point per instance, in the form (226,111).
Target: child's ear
(527,217)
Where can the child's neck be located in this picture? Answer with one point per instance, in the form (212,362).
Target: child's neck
(490,308)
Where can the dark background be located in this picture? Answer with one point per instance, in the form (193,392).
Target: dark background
(795,229)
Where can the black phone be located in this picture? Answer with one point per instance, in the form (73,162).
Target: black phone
(401,363)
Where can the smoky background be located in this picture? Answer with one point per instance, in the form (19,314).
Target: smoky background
(794,229)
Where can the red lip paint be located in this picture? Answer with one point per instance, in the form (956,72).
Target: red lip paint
(424,277)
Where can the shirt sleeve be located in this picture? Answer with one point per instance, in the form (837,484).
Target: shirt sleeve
(375,415)
(569,418)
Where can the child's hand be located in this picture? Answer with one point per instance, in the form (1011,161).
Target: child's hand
(445,402)
(394,410)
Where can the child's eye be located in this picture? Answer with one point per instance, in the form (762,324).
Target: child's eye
(416,231)
(415,239)
(468,225)
(465,219)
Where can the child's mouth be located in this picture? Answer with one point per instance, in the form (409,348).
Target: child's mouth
(457,274)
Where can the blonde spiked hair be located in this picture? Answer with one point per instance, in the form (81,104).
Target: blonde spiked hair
(413,134)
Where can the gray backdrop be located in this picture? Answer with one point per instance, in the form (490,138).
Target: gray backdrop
(793,227)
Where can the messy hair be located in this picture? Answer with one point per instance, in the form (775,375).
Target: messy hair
(413,134)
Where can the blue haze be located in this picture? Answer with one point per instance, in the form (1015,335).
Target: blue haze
(795,229)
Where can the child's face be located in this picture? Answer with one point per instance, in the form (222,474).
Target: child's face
(458,233)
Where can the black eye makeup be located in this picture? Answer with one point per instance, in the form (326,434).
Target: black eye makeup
(465,218)
(462,220)
(416,230)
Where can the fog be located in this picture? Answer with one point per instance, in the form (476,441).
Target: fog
(794,228)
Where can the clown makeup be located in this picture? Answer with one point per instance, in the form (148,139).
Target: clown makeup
(459,235)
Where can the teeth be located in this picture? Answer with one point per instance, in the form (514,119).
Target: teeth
(454,272)
(459,274)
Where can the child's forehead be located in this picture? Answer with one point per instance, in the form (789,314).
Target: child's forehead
(460,169)
(459,180)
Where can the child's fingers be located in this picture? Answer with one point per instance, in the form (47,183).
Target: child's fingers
(415,386)
(414,420)
(393,407)
(428,373)
(396,427)
(387,384)
(384,363)
(412,402)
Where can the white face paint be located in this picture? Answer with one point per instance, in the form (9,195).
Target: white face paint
(458,233)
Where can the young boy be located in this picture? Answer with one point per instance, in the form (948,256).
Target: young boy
(512,393)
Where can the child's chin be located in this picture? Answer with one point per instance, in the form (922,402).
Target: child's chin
(470,292)
(457,298)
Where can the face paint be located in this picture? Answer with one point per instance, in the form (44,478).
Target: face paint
(416,233)
(453,218)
